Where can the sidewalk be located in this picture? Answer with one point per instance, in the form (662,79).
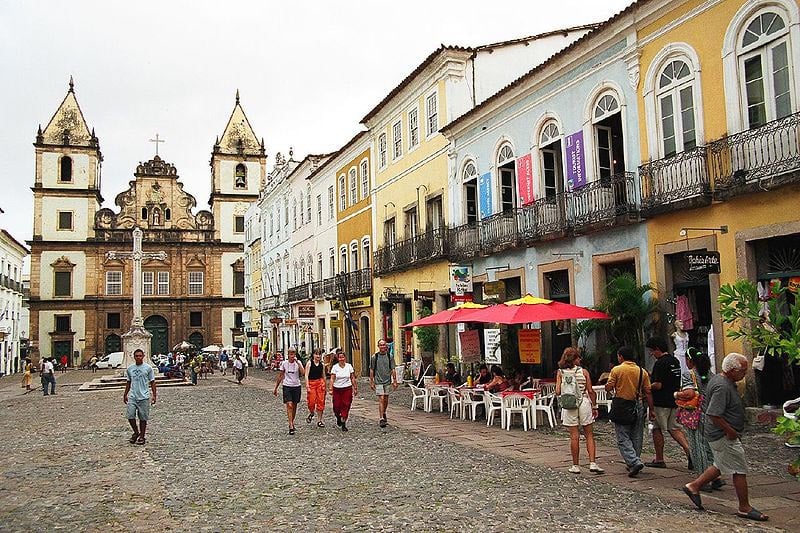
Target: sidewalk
(779,498)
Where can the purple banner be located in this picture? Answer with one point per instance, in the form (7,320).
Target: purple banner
(576,166)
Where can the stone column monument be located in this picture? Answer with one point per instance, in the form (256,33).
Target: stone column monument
(137,337)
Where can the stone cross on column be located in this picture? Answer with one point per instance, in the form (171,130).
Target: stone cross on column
(137,337)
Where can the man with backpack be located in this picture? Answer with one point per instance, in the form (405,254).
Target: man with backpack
(382,378)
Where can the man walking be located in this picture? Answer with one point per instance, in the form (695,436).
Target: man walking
(139,395)
(223,362)
(628,381)
(382,378)
(724,422)
(665,382)
(48,372)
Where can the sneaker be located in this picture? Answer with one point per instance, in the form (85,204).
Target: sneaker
(382,423)
(344,427)
(574,469)
(634,471)
(593,468)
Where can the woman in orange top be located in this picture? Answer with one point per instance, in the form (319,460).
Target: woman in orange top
(315,387)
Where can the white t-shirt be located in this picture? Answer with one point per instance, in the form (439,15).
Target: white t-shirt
(237,364)
(48,367)
(342,375)
(291,373)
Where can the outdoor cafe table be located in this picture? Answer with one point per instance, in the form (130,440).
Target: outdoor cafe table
(527,393)
(436,389)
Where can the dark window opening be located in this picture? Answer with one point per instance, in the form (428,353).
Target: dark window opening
(238,223)
(471,200)
(113,321)
(63,323)
(63,284)
(167,214)
(237,319)
(508,187)
(144,213)
(195,319)
(66,169)
(553,170)
(610,151)
(238,282)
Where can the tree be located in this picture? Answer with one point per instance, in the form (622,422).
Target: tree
(770,327)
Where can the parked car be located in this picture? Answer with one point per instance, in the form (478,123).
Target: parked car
(112,360)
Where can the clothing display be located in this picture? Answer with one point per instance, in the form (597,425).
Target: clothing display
(683,312)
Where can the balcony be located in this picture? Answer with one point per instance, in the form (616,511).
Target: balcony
(299,293)
(675,183)
(756,160)
(499,231)
(464,242)
(407,253)
(359,282)
(8,283)
(602,203)
(316,289)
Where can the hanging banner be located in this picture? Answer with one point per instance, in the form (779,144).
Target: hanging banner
(576,166)
(470,346)
(530,346)
(794,285)
(703,262)
(525,179)
(485,195)
(460,279)
(491,343)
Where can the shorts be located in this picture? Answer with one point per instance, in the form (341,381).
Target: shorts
(383,389)
(140,408)
(291,394)
(223,365)
(666,419)
(729,456)
(582,416)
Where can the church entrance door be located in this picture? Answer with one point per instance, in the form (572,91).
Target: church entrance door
(158,327)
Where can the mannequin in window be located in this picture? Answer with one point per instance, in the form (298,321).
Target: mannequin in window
(681,340)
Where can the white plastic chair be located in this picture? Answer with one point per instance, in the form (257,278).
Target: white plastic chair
(602,398)
(516,404)
(493,404)
(456,401)
(547,388)
(535,383)
(418,393)
(471,402)
(435,396)
(543,404)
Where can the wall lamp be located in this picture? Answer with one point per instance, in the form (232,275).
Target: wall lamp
(722,229)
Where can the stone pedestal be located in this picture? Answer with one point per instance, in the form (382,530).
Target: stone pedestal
(137,338)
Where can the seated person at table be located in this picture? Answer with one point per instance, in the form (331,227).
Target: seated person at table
(452,376)
(484,376)
(520,380)
(499,382)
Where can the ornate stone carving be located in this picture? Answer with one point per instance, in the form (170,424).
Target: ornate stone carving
(63,263)
(156,167)
(631,59)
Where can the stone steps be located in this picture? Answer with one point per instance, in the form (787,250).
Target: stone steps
(112,382)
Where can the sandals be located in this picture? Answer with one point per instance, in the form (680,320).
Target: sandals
(656,464)
(753,514)
(291,431)
(141,441)
(310,417)
(320,424)
(695,497)
(133,438)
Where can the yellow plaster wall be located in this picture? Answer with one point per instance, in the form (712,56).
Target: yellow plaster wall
(355,228)
(345,169)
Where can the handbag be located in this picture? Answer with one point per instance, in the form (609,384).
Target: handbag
(689,418)
(626,412)
(694,402)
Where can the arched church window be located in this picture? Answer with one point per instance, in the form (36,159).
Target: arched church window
(240,179)
(65,173)
(167,214)
(144,213)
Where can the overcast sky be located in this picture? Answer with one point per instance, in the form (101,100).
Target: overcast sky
(307,72)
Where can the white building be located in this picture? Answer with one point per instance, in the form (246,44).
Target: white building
(12,254)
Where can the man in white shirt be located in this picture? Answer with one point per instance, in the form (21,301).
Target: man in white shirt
(48,376)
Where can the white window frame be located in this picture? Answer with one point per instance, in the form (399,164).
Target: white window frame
(148,283)
(431,114)
(332,261)
(114,283)
(342,193)
(352,176)
(319,210)
(469,179)
(196,280)
(397,140)
(343,258)
(364,171)
(382,155)
(413,128)
(331,202)
(366,253)
(355,264)
(162,278)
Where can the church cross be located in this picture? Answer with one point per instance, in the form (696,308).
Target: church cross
(138,256)
(156,141)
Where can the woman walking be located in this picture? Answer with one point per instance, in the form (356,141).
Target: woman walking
(290,372)
(693,386)
(26,377)
(315,387)
(342,387)
(579,407)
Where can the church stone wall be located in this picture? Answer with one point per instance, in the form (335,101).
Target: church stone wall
(47,277)
(80,170)
(227,260)
(80,208)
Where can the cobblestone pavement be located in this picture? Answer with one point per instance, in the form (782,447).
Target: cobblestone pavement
(219,458)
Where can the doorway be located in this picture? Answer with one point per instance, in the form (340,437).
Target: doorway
(365,345)
(113,344)
(560,331)
(158,327)
(62,348)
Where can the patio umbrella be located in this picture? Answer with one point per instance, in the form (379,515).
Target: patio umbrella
(532,309)
(453,315)
(213,348)
(183,346)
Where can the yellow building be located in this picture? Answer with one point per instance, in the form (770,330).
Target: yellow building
(720,140)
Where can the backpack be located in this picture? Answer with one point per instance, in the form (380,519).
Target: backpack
(569,398)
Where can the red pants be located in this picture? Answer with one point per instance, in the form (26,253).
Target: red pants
(342,399)
(316,395)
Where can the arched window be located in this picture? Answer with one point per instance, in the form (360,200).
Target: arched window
(302,271)
(65,173)
(551,159)
(354,256)
(167,214)
(364,179)
(310,267)
(240,176)
(366,253)
(765,69)
(308,204)
(144,213)
(470,180)
(507,177)
(608,137)
(353,186)
(342,193)
(676,108)
(343,259)
(302,211)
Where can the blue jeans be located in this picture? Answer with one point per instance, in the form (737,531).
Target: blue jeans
(51,380)
(629,439)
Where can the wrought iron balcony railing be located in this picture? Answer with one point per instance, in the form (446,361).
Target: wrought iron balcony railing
(316,289)
(762,157)
(464,242)
(401,255)
(675,182)
(602,201)
(299,293)
(359,282)
(499,231)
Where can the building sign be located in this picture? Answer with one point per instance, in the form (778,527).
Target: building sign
(485,195)
(275,320)
(494,288)
(290,322)
(576,166)
(335,323)
(794,285)
(470,346)
(352,303)
(306,311)
(395,297)
(530,346)
(525,180)
(460,279)
(703,262)
(252,334)
(491,343)
(456,299)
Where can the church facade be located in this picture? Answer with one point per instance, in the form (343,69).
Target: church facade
(81,300)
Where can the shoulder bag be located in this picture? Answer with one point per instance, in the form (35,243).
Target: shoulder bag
(626,412)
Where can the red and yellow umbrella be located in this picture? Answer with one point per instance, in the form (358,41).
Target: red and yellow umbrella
(532,309)
(453,315)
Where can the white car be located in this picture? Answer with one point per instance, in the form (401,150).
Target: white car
(112,360)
